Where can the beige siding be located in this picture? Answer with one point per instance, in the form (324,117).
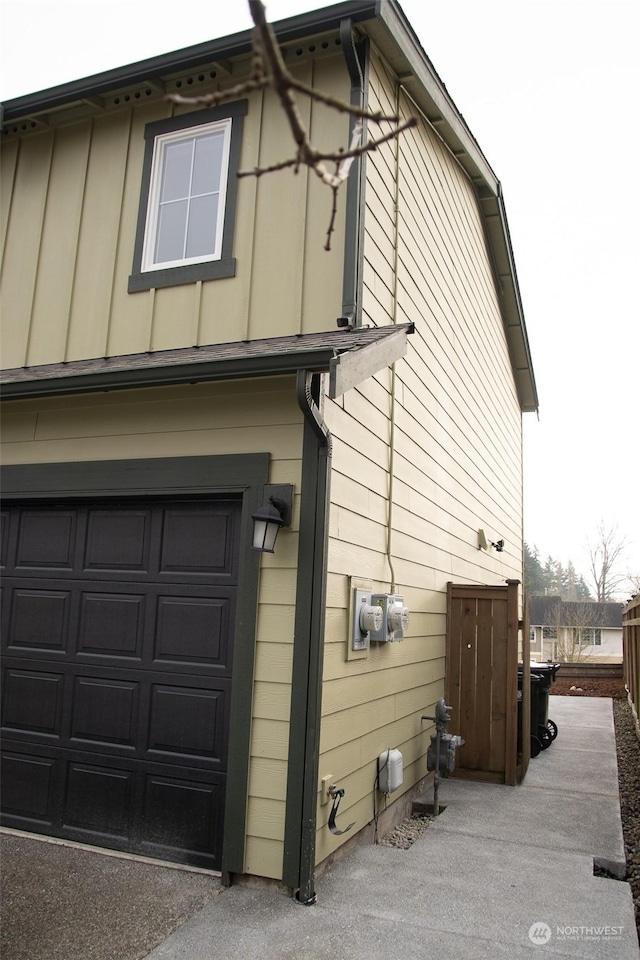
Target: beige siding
(71,222)
(23,242)
(456,460)
(195,421)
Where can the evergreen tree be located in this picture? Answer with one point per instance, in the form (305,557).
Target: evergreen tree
(533,574)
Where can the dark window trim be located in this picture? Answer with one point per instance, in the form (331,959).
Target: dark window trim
(210,269)
(243,474)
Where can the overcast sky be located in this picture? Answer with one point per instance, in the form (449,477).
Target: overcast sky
(549,88)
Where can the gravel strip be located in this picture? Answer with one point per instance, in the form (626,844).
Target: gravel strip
(407,832)
(628,749)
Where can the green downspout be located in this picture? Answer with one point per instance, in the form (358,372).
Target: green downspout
(306,691)
(357,64)
(298,868)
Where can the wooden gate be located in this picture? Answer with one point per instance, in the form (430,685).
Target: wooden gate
(482,681)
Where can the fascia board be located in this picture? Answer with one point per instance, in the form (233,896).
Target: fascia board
(393,35)
(352,367)
(188,58)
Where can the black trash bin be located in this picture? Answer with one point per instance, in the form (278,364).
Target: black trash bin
(546,672)
(534,695)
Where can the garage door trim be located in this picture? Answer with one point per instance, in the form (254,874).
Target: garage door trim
(178,476)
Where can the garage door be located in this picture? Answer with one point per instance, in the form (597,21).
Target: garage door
(118,622)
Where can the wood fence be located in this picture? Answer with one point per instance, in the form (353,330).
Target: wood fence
(631,649)
(590,671)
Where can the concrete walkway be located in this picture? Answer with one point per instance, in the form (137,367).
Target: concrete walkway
(503,872)
(501,865)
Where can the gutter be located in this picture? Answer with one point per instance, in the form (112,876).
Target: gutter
(298,868)
(189,58)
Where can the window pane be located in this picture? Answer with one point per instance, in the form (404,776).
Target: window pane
(177,170)
(207,164)
(172,220)
(201,232)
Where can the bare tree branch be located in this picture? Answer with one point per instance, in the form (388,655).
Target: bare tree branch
(269,71)
(605,555)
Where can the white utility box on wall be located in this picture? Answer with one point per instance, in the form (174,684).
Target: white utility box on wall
(389,771)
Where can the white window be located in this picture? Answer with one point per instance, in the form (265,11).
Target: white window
(186,216)
(187,197)
(588,636)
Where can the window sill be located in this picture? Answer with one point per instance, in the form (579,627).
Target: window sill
(175,276)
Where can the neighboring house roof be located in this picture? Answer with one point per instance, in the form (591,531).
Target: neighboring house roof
(349,356)
(553,611)
(385,23)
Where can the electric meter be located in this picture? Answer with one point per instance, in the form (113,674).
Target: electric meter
(395,618)
(370,617)
(366,617)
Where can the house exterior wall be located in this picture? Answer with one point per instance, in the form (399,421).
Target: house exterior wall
(432,452)
(70,207)
(423,455)
(609,650)
(192,421)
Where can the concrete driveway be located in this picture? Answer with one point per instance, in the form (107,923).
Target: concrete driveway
(69,903)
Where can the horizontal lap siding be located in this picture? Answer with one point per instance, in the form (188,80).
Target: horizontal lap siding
(457,461)
(195,421)
(69,213)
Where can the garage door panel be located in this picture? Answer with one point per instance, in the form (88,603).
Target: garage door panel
(180,817)
(39,618)
(194,630)
(153,809)
(160,542)
(46,539)
(197,542)
(105,711)
(118,541)
(111,624)
(188,723)
(98,800)
(32,702)
(28,790)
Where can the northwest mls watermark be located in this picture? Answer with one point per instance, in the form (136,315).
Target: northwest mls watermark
(541,933)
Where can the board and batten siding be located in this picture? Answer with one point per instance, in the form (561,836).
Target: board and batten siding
(191,421)
(70,196)
(452,413)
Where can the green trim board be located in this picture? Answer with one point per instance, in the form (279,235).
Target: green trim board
(243,474)
(157,68)
(298,868)
(211,269)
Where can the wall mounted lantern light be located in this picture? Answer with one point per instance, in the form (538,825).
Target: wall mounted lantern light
(273,514)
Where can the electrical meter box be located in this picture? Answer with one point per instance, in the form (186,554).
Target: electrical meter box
(395,618)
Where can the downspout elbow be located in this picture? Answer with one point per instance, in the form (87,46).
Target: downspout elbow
(311,410)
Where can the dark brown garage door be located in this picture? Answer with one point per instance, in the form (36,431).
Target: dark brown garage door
(118,622)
